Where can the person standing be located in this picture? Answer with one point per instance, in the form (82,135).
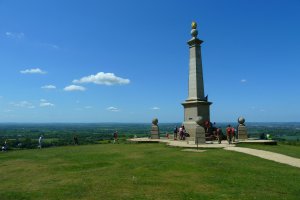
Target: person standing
(233,134)
(40,141)
(180,132)
(184,133)
(219,134)
(175,132)
(116,137)
(206,126)
(229,134)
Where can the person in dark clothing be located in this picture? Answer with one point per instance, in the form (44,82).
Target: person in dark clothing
(76,140)
(219,134)
(175,132)
(116,137)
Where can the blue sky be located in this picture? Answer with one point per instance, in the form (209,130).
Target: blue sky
(127,61)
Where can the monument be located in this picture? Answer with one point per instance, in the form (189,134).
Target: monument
(242,130)
(197,103)
(155,129)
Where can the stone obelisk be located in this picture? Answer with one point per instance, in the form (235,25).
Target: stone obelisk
(196,104)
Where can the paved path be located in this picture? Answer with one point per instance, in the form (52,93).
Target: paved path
(254,152)
(181,143)
(267,155)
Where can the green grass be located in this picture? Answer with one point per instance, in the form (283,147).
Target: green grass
(142,171)
(286,149)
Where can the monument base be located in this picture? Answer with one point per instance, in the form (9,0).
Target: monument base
(193,109)
(190,127)
(242,132)
(155,132)
(195,131)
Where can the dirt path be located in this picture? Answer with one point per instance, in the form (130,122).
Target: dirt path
(267,155)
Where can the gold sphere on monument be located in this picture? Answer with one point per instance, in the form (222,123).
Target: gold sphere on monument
(194,25)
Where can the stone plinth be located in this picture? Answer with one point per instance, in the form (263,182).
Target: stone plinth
(154,132)
(155,129)
(190,127)
(193,109)
(242,130)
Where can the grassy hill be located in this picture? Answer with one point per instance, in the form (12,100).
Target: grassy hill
(142,171)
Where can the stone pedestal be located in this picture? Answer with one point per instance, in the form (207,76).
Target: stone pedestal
(154,132)
(190,128)
(193,109)
(242,130)
(155,129)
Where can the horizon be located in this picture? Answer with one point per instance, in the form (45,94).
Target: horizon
(1,123)
(111,62)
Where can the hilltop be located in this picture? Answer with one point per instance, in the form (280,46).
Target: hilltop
(142,171)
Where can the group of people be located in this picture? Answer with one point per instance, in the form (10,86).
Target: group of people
(181,132)
(40,143)
(231,136)
(217,133)
(211,131)
(4,147)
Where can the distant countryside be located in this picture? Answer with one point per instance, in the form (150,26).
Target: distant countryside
(25,136)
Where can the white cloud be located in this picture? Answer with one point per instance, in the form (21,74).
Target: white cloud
(48,87)
(88,107)
(52,46)
(155,108)
(33,71)
(102,78)
(23,104)
(112,109)
(243,81)
(12,35)
(74,88)
(45,103)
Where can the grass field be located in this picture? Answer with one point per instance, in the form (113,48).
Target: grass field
(142,171)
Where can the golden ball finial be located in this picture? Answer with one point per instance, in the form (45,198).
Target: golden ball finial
(194,25)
